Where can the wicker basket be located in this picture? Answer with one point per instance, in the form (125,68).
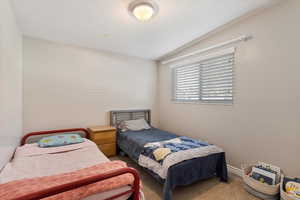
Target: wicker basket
(259,194)
(284,195)
(265,189)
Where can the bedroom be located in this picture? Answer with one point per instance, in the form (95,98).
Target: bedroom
(68,64)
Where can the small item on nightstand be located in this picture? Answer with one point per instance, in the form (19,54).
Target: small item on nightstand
(105,138)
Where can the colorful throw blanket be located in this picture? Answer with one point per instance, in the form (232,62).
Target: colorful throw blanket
(16,189)
(159,156)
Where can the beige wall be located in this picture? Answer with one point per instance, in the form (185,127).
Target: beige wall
(10,82)
(263,124)
(67,86)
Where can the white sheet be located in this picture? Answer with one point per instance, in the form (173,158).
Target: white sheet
(31,161)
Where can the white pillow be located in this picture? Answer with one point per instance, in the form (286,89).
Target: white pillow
(136,125)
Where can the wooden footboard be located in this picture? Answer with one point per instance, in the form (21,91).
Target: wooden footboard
(135,190)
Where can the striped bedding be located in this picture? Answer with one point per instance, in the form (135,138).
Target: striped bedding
(28,186)
(179,149)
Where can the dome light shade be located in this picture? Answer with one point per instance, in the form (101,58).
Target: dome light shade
(143,10)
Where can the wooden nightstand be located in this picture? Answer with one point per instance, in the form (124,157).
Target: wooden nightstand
(105,138)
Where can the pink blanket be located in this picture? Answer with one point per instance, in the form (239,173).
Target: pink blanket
(34,149)
(15,189)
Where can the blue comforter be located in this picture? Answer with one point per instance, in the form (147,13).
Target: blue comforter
(184,173)
(133,142)
(185,144)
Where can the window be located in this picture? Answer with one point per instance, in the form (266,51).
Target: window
(208,80)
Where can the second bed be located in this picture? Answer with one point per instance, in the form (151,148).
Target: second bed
(183,173)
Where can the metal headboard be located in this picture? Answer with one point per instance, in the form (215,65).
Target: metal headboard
(116,116)
(36,136)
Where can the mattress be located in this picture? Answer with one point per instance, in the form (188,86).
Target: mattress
(31,161)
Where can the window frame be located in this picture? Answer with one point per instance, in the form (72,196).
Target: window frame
(198,60)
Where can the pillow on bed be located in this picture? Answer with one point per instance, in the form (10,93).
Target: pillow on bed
(134,125)
(60,140)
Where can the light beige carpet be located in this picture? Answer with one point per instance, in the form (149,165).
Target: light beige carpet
(211,189)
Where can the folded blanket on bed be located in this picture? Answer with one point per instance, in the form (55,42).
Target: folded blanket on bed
(159,156)
(16,189)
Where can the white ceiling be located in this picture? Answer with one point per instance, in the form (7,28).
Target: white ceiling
(106,24)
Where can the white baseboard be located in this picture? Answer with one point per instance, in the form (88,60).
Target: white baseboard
(235,170)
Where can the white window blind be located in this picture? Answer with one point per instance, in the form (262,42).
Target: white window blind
(209,80)
(186,80)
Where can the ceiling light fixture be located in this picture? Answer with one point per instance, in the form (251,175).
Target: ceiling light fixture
(143,10)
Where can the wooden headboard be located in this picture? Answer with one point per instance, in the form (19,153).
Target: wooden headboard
(116,116)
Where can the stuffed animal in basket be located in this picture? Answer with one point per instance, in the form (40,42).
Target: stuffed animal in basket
(292,186)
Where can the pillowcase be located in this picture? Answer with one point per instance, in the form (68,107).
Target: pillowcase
(60,140)
(134,125)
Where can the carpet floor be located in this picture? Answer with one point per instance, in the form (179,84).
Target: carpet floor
(211,189)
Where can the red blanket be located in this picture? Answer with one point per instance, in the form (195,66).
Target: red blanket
(15,189)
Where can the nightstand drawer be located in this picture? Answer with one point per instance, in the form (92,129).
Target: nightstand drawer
(104,137)
(108,149)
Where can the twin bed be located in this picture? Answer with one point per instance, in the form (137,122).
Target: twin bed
(77,171)
(81,171)
(192,168)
